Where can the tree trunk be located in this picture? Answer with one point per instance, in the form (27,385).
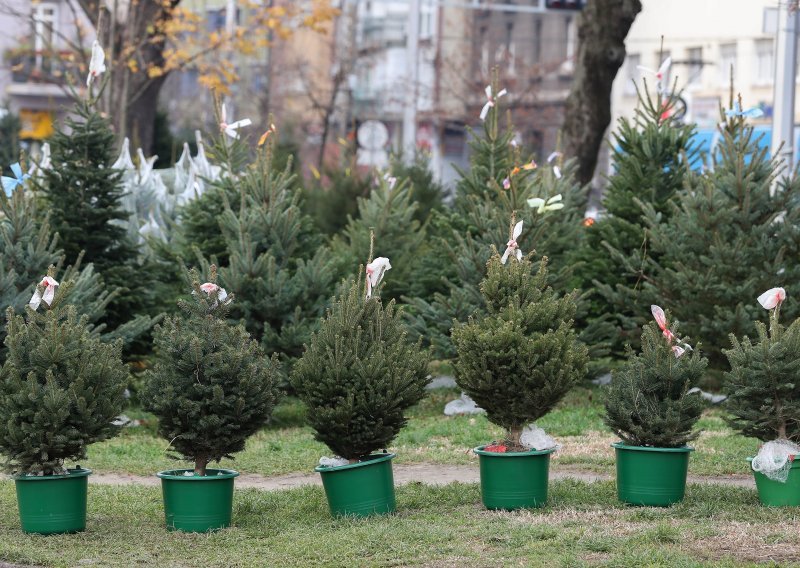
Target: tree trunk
(200,463)
(602,28)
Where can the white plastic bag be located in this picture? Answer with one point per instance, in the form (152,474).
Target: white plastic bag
(536,438)
(774,459)
(336,461)
(462,405)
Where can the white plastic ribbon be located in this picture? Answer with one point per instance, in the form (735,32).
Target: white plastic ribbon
(391,180)
(38,297)
(231,129)
(490,102)
(661,319)
(556,169)
(772,298)
(542,205)
(512,248)
(97,64)
(660,74)
(210,288)
(375,271)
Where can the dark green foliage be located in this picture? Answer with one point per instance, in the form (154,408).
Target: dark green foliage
(520,358)
(462,241)
(426,192)
(60,388)
(762,386)
(647,402)
(211,386)
(83,200)
(727,240)
(359,375)
(9,142)
(391,214)
(651,158)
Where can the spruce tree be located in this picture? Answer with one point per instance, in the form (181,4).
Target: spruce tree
(498,183)
(520,358)
(212,386)
(649,402)
(730,234)
(9,141)
(652,157)
(60,387)
(762,386)
(359,375)
(83,195)
(426,192)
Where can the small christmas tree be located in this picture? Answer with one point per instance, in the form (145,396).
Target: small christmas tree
(360,373)
(762,386)
(519,359)
(60,387)
(83,195)
(211,386)
(648,402)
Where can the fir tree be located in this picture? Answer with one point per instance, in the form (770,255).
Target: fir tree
(426,192)
(762,386)
(359,375)
(651,157)
(60,387)
(519,359)
(648,402)
(83,195)
(499,182)
(728,237)
(211,386)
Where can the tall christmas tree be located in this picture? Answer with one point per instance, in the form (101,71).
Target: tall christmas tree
(498,183)
(652,156)
(730,234)
(60,387)
(83,196)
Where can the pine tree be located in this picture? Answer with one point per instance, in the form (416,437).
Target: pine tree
(728,237)
(652,157)
(359,375)
(9,141)
(648,402)
(212,386)
(60,387)
(27,248)
(499,182)
(519,359)
(762,386)
(390,212)
(83,195)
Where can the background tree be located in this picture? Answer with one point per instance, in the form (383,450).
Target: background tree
(603,26)
(9,141)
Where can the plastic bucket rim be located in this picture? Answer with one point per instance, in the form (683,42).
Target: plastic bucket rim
(795,463)
(624,446)
(169,474)
(373,459)
(479,450)
(71,474)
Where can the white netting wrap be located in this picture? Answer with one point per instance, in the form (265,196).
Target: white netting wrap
(325,461)
(536,438)
(775,458)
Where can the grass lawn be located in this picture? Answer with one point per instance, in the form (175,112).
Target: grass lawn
(430,437)
(583,525)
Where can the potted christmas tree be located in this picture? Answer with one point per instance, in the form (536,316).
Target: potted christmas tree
(211,388)
(764,401)
(650,405)
(517,362)
(358,376)
(60,389)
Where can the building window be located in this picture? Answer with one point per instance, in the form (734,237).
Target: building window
(484,43)
(765,63)
(727,62)
(695,57)
(537,40)
(569,34)
(632,74)
(45,18)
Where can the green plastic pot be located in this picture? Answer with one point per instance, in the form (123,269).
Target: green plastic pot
(655,477)
(776,494)
(514,480)
(199,503)
(360,489)
(53,504)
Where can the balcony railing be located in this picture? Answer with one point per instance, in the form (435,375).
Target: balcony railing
(32,66)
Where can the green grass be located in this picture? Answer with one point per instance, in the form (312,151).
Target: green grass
(582,525)
(288,446)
